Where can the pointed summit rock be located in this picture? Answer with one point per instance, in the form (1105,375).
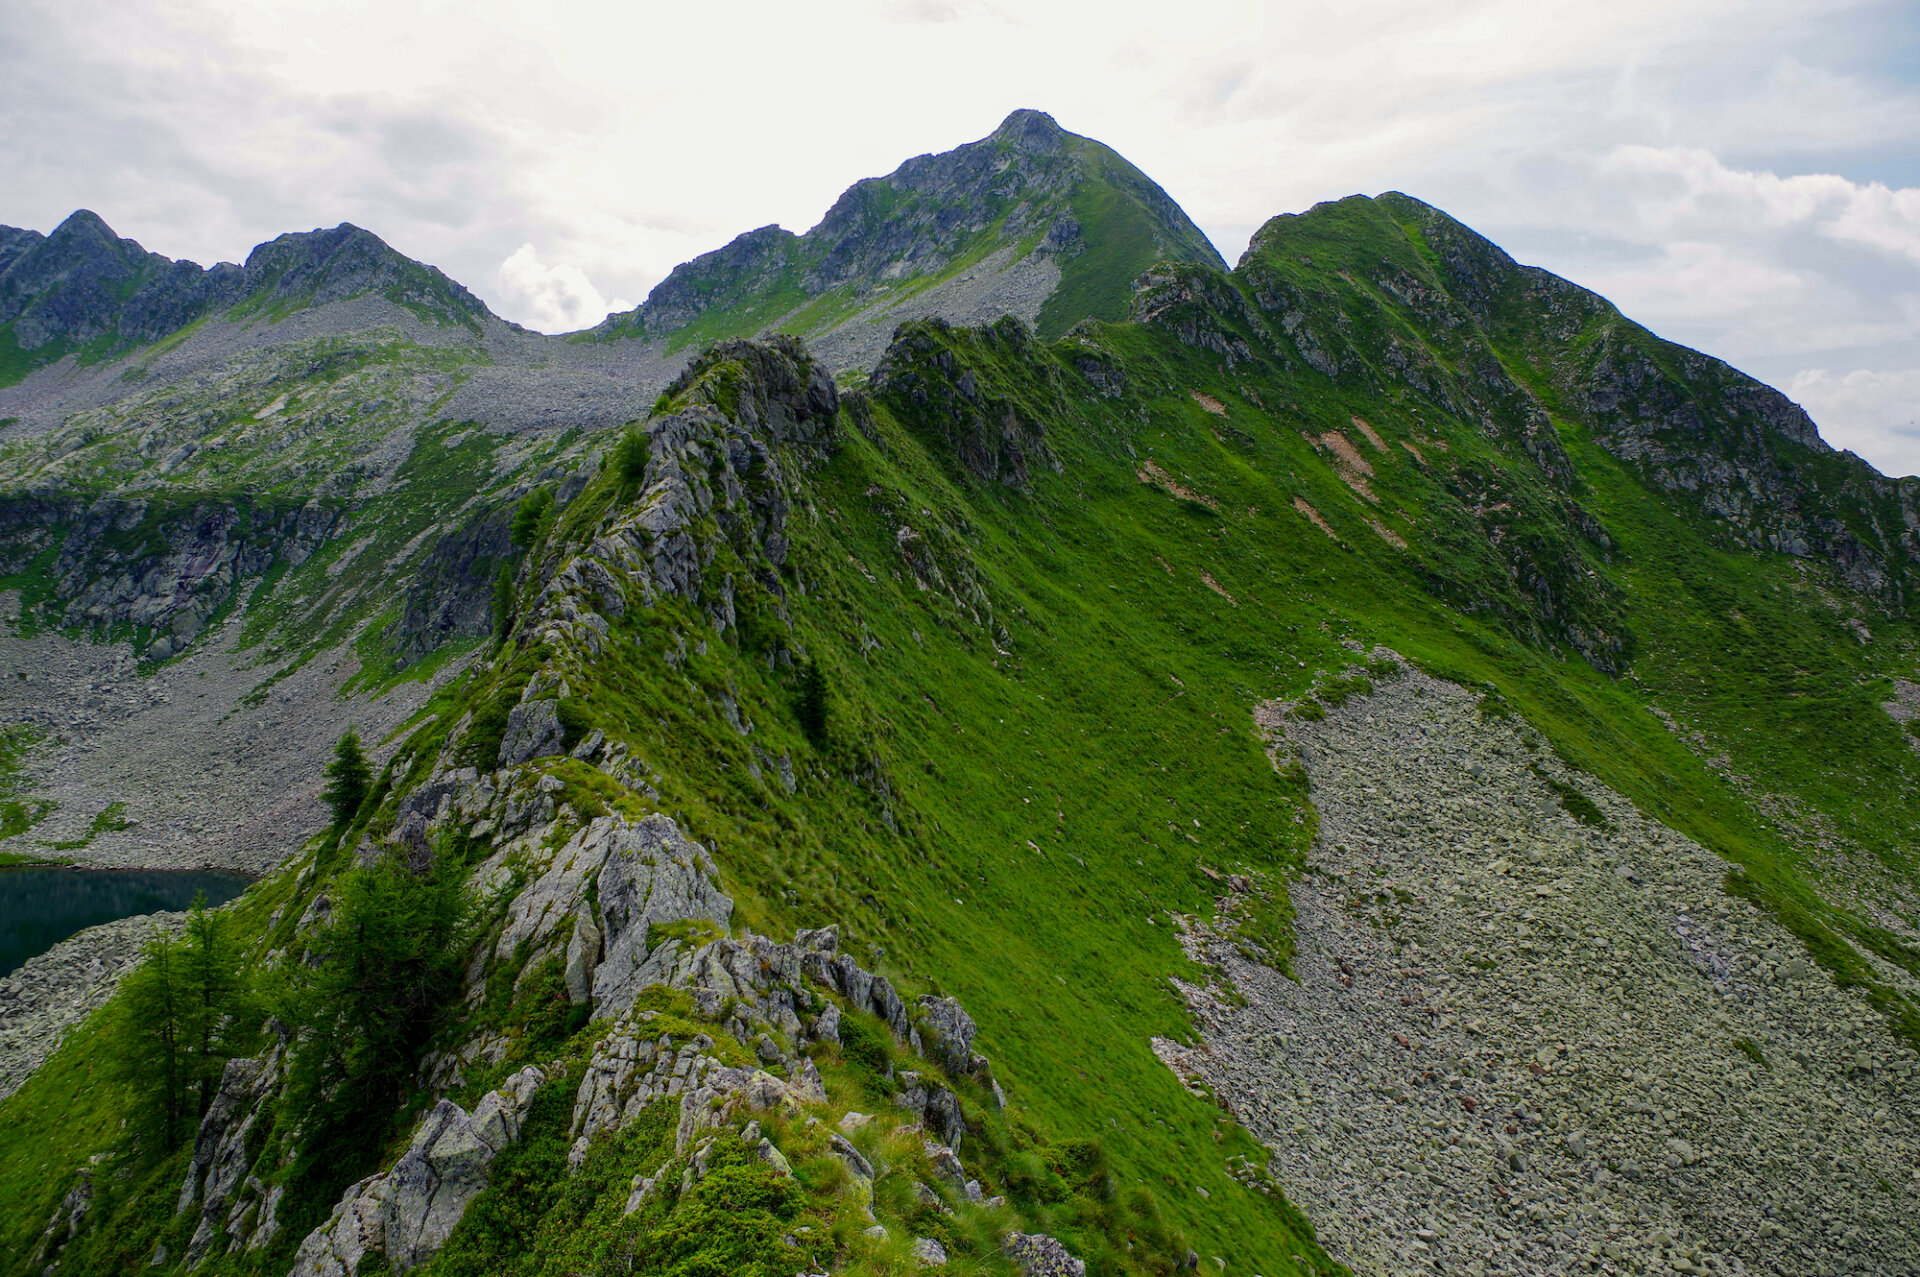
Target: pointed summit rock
(1031,220)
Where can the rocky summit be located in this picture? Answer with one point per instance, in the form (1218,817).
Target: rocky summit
(974,737)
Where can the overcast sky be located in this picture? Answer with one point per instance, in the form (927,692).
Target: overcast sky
(1741,177)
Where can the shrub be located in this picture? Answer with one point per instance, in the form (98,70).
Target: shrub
(630,456)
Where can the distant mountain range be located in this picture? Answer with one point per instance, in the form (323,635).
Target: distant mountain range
(1031,220)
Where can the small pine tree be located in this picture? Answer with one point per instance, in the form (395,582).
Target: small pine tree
(150,1055)
(348,779)
(531,518)
(502,604)
(216,990)
(630,456)
(184,1012)
(811,705)
(388,968)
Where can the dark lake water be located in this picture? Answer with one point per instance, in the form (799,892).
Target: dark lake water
(41,906)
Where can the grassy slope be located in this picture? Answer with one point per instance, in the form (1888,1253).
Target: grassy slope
(1117,716)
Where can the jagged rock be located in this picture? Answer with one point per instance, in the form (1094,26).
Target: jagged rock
(773,1157)
(220,1157)
(857,1164)
(644,1187)
(1041,1256)
(929,1253)
(584,950)
(408,1213)
(68,1216)
(933,1105)
(949,1031)
(990,432)
(826,1026)
(355,1231)
(653,875)
(533,731)
(946,1165)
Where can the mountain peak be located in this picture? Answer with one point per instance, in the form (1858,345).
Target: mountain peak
(84,223)
(1032,130)
(1030,220)
(85,289)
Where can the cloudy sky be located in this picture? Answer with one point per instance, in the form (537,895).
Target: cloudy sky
(1743,177)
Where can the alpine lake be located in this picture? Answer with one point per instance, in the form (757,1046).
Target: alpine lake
(41,905)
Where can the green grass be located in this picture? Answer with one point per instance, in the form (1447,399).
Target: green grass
(112,817)
(1039,741)
(1024,782)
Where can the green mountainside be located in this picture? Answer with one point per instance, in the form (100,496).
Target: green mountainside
(851,822)
(1029,192)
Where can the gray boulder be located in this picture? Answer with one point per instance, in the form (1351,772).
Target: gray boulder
(533,731)
(408,1213)
(653,875)
(1041,1256)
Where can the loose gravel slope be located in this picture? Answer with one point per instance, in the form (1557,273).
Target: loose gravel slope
(1521,1043)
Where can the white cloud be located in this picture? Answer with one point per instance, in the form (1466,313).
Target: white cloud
(557,298)
(1684,190)
(1875,413)
(1877,217)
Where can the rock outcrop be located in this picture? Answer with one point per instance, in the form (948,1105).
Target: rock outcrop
(407,1214)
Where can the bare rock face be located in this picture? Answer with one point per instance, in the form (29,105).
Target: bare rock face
(654,875)
(408,1213)
(948,1031)
(533,731)
(1518,1041)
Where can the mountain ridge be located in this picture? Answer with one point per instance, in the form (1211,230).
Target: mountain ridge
(87,291)
(1377,680)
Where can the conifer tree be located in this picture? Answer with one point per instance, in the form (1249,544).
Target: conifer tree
(348,779)
(149,1051)
(630,455)
(185,1011)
